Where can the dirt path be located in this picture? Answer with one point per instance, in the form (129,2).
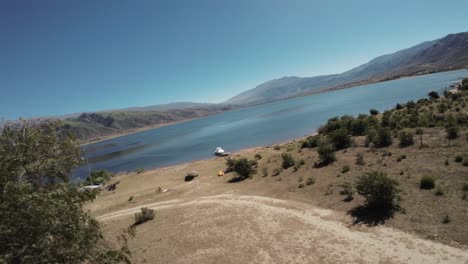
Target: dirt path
(253,229)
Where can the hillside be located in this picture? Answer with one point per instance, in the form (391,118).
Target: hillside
(294,208)
(94,126)
(448,53)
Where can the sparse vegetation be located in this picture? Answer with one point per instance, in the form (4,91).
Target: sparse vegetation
(258,156)
(348,191)
(288,161)
(345,169)
(310,181)
(458,158)
(427,182)
(144,216)
(360,159)
(439,191)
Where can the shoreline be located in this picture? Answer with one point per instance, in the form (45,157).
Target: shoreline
(326,90)
(240,152)
(133,131)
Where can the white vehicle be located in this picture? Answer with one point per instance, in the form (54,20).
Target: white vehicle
(220,152)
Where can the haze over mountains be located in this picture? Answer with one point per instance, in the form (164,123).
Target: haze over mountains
(448,53)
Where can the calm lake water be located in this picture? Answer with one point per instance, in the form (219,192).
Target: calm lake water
(254,126)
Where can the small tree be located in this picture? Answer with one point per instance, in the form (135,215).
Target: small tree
(340,138)
(420,132)
(243,168)
(433,95)
(452,133)
(406,139)
(288,160)
(380,137)
(42,218)
(326,153)
(374,112)
(380,191)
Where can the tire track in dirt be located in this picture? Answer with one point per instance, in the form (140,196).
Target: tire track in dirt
(299,233)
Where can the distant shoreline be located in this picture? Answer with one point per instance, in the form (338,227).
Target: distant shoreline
(132,131)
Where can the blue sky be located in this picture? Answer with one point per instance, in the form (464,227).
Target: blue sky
(59,57)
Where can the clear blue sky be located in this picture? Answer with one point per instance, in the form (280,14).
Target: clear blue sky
(59,57)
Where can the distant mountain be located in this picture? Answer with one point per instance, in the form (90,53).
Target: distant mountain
(93,126)
(448,53)
(169,106)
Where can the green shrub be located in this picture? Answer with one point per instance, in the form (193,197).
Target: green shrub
(379,137)
(99,177)
(130,198)
(446,163)
(458,158)
(243,168)
(326,153)
(345,169)
(258,156)
(433,95)
(288,160)
(264,171)
(340,139)
(277,148)
(465,163)
(427,182)
(374,112)
(406,139)
(311,142)
(145,215)
(380,191)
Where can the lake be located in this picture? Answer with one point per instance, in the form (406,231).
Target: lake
(260,125)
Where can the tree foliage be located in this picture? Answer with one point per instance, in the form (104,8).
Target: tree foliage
(42,218)
(380,191)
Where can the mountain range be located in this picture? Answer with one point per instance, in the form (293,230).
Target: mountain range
(448,53)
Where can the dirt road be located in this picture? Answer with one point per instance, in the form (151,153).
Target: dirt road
(233,228)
